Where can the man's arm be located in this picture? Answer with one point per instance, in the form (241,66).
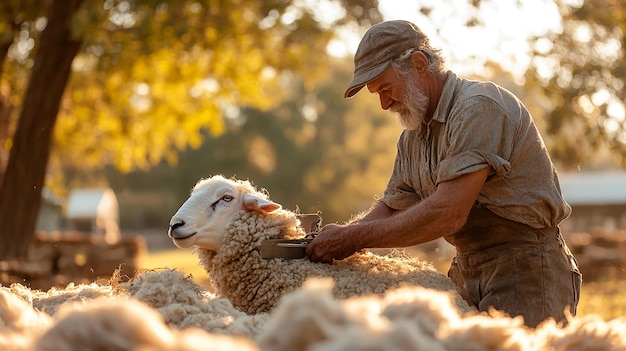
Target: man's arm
(442,213)
(379,211)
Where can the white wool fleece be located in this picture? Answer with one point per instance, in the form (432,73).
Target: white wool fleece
(184,304)
(254,284)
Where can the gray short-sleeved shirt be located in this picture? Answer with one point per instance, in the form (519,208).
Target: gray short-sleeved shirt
(478,124)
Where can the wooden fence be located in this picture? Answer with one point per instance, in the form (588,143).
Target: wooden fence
(60,258)
(601,253)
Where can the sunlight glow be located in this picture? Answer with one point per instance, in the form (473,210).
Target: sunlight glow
(325,11)
(292,13)
(507,24)
(617,110)
(207,87)
(587,107)
(502,37)
(141,100)
(616,123)
(582,33)
(600,97)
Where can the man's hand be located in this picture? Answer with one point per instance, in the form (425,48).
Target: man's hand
(333,242)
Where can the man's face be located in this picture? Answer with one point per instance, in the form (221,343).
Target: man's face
(401,95)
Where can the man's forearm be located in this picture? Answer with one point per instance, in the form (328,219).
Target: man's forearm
(379,211)
(442,213)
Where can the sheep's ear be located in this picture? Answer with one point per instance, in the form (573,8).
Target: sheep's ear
(256,203)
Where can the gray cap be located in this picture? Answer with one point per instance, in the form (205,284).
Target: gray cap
(380,44)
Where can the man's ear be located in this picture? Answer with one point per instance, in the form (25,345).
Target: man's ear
(420,62)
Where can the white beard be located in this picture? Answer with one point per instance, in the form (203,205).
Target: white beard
(412,113)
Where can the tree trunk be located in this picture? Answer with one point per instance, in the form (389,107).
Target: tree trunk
(20,192)
(6,107)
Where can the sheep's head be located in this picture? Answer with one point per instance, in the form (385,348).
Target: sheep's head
(202,219)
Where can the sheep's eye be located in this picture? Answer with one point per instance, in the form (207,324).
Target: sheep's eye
(225,198)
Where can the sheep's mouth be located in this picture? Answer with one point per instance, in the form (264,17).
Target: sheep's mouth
(183,237)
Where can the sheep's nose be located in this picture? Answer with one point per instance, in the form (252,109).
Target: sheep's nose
(173,228)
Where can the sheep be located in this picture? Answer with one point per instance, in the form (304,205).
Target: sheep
(225,220)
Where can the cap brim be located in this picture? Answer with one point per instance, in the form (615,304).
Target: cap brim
(361,79)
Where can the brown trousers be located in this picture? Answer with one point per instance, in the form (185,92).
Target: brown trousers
(514,268)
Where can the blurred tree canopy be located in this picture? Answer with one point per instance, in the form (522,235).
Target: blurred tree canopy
(582,71)
(315,151)
(147,79)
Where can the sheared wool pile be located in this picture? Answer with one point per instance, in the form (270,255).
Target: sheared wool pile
(137,316)
(183,304)
(49,301)
(20,324)
(415,318)
(159,310)
(127,324)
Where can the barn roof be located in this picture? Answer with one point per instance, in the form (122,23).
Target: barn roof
(88,202)
(594,188)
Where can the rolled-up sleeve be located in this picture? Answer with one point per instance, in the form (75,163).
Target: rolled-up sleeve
(470,162)
(482,136)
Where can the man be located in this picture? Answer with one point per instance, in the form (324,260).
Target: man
(470,167)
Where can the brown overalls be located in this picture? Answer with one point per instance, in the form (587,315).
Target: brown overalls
(514,268)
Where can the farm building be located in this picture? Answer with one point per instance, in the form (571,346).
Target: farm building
(50,217)
(77,240)
(598,200)
(94,210)
(596,230)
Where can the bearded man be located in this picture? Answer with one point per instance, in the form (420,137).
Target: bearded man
(471,167)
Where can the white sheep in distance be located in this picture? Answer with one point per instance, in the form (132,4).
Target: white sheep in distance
(226,220)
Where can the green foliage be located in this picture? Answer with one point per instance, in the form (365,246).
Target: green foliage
(154,77)
(582,71)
